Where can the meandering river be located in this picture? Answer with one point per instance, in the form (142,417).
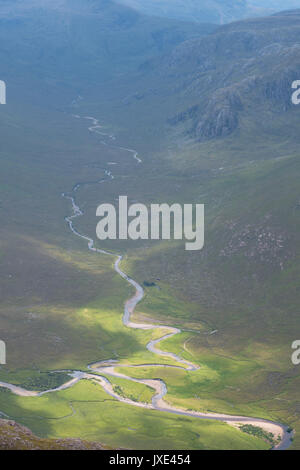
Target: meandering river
(108,367)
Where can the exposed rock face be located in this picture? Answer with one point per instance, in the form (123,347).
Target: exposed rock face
(221,117)
(190,113)
(241,69)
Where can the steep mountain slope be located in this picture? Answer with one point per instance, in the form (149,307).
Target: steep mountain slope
(16,437)
(236,143)
(235,83)
(243,70)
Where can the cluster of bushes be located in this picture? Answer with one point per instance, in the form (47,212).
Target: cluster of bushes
(45,381)
(149,284)
(258,432)
(120,392)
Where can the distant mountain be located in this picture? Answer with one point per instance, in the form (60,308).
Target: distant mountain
(274,4)
(240,73)
(212,11)
(65,43)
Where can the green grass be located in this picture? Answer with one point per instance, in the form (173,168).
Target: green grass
(81,308)
(87,412)
(235,363)
(132,390)
(62,307)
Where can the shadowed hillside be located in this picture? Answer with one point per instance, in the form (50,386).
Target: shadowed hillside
(16,437)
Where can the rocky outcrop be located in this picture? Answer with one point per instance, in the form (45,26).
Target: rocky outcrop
(13,436)
(221,116)
(245,69)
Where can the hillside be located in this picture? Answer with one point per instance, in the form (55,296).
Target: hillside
(244,70)
(64,44)
(209,112)
(16,437)
(234,145)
